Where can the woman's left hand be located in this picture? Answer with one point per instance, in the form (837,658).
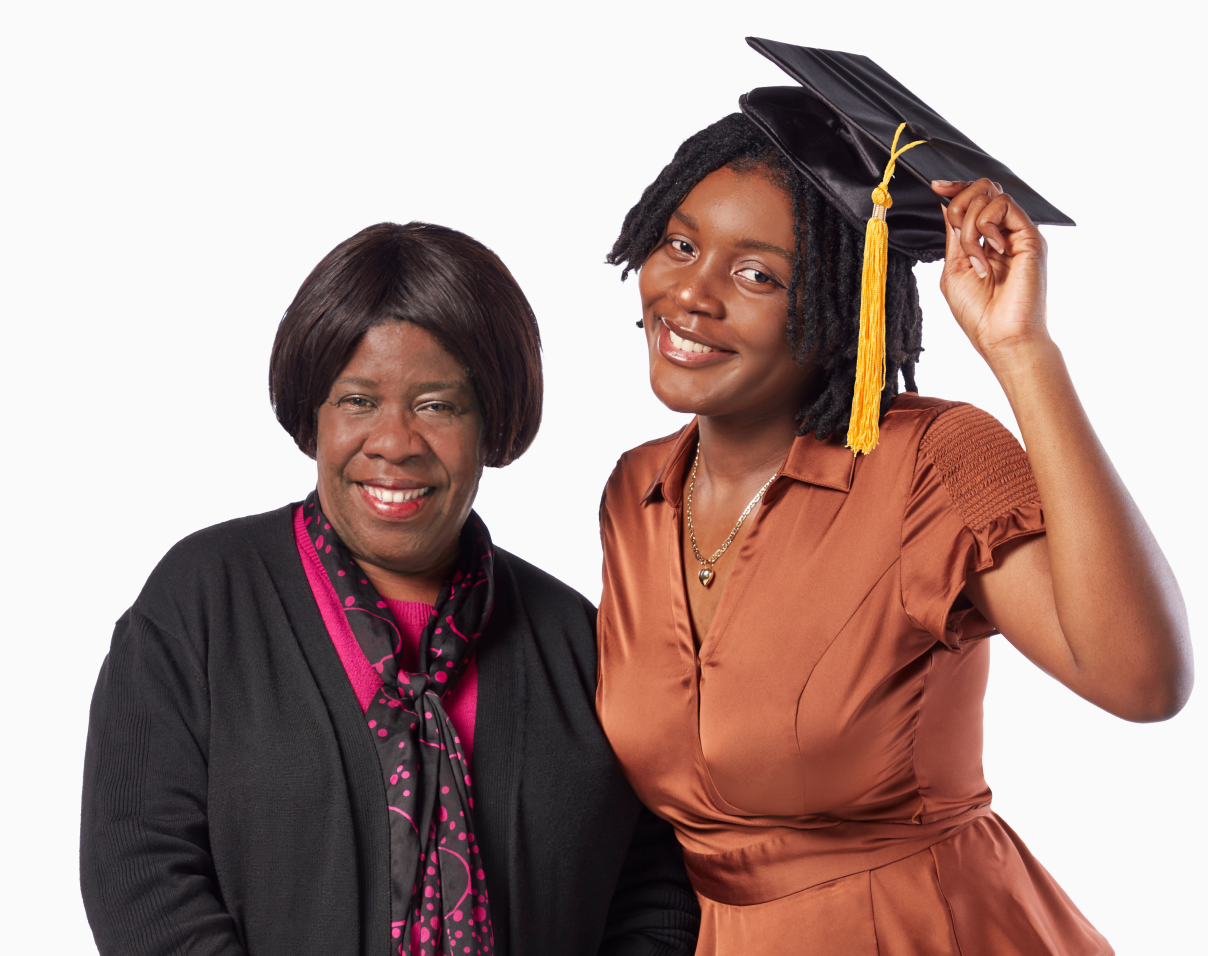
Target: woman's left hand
(1093,600)
(994,268)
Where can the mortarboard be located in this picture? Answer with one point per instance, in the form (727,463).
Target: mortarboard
(840,128)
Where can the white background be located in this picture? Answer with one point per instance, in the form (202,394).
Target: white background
(171,172)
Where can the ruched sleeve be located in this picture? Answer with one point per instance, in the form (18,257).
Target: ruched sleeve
(973,490)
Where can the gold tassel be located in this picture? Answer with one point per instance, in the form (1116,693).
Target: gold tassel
(862,432)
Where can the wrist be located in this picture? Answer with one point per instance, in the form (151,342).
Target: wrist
(1020,364)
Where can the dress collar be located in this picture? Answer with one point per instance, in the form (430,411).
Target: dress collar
(827,464)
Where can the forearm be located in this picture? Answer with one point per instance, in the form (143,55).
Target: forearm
(147,892)
(1120,610)
(146,873)
(653,909)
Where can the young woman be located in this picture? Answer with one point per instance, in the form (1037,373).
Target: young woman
(792,637)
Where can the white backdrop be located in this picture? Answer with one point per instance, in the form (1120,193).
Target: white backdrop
(171,172)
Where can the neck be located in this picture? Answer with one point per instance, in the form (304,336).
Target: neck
(422,586)
(734,451)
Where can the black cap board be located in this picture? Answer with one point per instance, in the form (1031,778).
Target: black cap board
(837,128)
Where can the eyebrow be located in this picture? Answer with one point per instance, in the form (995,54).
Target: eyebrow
(757,244)
(687,220)
(761,246)
(439,386)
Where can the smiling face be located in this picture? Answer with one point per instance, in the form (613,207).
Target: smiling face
(399,451)
(714,302)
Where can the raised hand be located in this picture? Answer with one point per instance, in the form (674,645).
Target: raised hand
(1092,601)
(994,268)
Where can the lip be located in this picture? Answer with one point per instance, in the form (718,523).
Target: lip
(694,336)
(394,510)
(688,359)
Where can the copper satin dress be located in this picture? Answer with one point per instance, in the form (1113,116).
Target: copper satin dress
(820,758)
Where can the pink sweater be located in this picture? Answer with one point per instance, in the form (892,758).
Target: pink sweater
(411,616)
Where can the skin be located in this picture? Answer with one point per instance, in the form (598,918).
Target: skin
(402,415)
(718,279)
(1093,601)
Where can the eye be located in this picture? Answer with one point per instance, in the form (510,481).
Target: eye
(358,402)
(680,246)
(439,408)
(754,275)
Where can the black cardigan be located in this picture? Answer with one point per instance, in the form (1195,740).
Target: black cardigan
(233,802)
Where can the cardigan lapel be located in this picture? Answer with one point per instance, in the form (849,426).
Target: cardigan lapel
(361,767)
(498,740)
(499,749)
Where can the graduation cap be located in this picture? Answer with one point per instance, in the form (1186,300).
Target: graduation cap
(841,129)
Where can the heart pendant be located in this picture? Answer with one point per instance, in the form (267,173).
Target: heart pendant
(705,576)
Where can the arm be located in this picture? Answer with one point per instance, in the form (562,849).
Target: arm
(1092,602)
(145,868)
(654,910)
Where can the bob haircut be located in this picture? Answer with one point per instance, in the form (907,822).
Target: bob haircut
(438,279)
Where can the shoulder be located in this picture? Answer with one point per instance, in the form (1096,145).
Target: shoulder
(957,438)
(229,543)
(911,415)
(971,454)
(940,428)
(220,540)
(638,467)
(546,599)
(561,622)
(210,562)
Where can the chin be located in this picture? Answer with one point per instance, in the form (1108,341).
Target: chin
(680,396)
(675,403)
(415,555)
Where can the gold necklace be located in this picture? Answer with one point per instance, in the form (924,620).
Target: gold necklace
(706,573)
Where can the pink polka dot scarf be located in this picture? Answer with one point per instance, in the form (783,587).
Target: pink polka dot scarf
(438,888)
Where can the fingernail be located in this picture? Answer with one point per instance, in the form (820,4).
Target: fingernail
(957,230)
(943,182)
(998,247)
(977,267)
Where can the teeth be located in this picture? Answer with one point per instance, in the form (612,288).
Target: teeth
(395,497)
(686,345)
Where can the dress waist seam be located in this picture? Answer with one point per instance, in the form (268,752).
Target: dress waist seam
(801,859)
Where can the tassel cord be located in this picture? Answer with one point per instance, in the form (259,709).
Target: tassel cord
(863,432)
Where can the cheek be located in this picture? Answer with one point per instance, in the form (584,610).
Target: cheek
(769,336)
(462,451)
(335,444)
(650,291)
(652,282)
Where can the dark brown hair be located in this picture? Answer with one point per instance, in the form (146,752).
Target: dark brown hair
(824,291)
(437,278)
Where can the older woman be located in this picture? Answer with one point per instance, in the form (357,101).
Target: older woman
(353,726)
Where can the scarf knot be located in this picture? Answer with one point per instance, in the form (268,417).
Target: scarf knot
(439,901)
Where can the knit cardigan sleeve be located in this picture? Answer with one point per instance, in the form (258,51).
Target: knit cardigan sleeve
(145,866)
(654,911)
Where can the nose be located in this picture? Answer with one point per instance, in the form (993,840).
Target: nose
(393,436)
(696,292)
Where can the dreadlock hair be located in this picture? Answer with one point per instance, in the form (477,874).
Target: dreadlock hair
(824,290)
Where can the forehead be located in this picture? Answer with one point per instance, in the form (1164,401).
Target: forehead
(401,352)
(739,205)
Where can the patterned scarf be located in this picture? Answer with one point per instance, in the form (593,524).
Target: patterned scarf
(438,892)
